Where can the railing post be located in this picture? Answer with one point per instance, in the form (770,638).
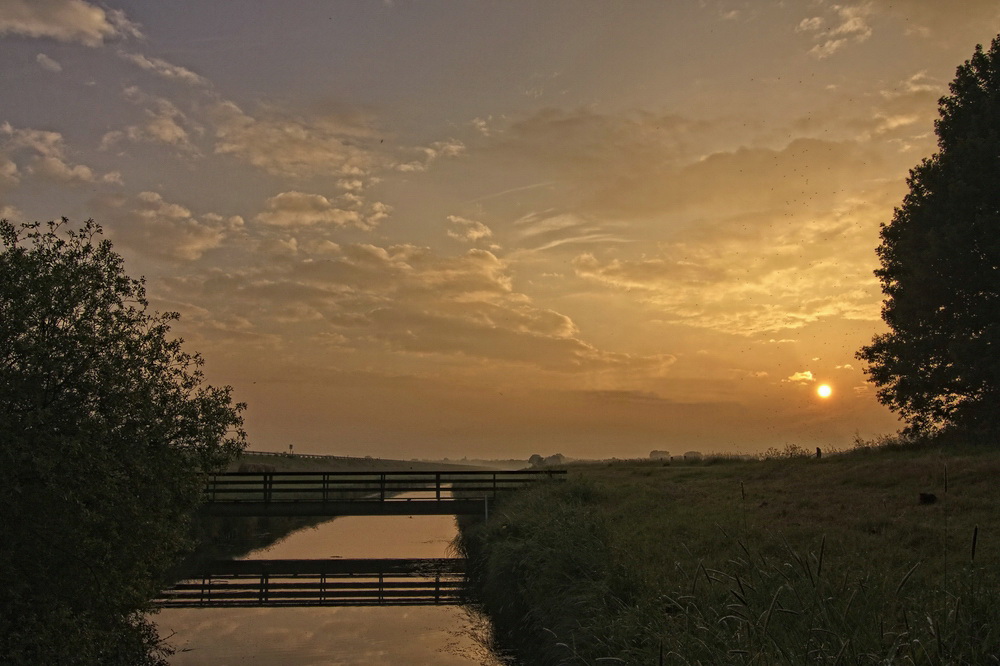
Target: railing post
(268,482)
(326,487)
(437,485)
(382,486)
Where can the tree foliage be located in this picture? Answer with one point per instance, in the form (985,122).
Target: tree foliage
(938,366)
(106,426)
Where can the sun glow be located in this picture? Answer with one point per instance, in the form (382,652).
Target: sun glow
(824,391)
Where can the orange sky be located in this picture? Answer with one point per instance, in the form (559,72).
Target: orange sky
(484,229)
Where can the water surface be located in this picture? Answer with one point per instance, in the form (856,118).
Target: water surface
(431,635)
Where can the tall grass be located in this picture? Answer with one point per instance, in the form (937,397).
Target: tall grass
(793,561)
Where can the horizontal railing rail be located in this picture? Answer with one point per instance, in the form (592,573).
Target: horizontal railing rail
(269,487)
(356,582)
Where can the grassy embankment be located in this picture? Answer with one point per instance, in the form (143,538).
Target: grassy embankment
(783,561)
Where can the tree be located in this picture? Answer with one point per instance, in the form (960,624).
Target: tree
(938,367)
(106,428)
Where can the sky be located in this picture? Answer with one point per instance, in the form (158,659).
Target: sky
(492,229)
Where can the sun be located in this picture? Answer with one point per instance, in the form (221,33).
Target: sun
(824,391)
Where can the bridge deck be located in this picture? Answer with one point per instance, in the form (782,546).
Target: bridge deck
(361,493)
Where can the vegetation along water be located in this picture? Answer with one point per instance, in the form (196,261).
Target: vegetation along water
(881,555)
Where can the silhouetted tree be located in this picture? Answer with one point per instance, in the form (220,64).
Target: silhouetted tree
(105,428)
(938,367)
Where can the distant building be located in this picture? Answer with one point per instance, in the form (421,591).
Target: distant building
(659,455)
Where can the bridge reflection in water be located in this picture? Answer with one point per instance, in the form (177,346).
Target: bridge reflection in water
(333,582)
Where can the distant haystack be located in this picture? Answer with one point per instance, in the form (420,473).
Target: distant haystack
(692,455)
(659,455)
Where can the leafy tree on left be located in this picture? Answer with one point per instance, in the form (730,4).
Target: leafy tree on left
(106,427)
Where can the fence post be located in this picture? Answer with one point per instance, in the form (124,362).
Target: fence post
(382,486)
(437,484)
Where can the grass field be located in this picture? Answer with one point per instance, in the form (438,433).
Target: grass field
(293,463)
(792,560)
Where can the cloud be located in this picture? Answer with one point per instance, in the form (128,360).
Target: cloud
(428,154)
(297,209)
(849,24)
(801,377)
(289,146)
(9,173)
(158,228)
(65,21)
(48,63)
(56,169)
(810,24)
(755,273)
(164,69)
(300,209)
(466,230)
(44,153)
(164,124)
(418,305)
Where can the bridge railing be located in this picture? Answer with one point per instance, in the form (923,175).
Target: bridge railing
(276,487)
(388,582)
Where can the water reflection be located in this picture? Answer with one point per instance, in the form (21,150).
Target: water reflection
(425,581)
(434,635)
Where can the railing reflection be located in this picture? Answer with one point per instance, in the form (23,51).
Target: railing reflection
(333,582)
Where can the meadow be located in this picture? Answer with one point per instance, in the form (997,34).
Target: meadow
(786,560)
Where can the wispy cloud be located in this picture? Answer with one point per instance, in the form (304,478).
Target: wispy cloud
(48,63)
(158,228)
(163,68)
(294,146)
(849,23)
(65,21)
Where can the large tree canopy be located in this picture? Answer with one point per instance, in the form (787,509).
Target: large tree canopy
(105,429)
(938,366)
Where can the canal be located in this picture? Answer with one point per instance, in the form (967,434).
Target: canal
(345,636)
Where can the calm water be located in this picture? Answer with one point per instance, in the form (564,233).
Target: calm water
(432,635)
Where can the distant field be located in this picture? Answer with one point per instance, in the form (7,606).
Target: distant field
(293,463)
(783,561)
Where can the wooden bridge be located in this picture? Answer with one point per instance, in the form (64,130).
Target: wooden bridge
(362,493)
(335,582)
